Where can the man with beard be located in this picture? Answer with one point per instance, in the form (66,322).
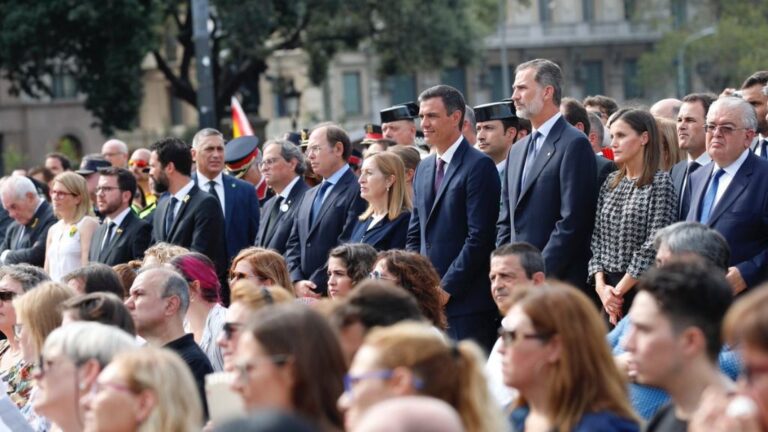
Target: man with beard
(189,217)
(549,190)
(122,236)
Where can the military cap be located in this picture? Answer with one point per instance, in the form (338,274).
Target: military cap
(239,153)
(91,164)
(406,111)
(494,111)
(372,133)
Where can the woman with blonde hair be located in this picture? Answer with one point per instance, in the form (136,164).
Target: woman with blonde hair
(670,150)
(412,358)
(148,389)
(554,353)
(69,239)
(384,224)
(263,266)
(162,253)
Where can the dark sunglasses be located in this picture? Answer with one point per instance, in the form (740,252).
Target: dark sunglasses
(7,295)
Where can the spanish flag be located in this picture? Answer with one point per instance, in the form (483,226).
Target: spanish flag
(240,124)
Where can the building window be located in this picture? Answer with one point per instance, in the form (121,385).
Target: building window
(497,92)
(455,77)
(588,10)
(632,87)
(630,7)
(593,77)
(63,86)
(679,12)
(402,88)
(545,10)
(353,101)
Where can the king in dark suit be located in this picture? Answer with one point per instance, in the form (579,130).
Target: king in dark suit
(283,169)
(456,204)
(327,213)
(549,190)
(32,217)
(730,194)
(122,236)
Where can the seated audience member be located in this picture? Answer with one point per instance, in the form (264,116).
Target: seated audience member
(374,303)
(127,274)
(205,316)
(38,313)
(71,359)
(15,280)
(410,414)
(147,389)
(26,236)
(384,224)
(288,358)
(414,273)
(555,355)
(514,266)
(262,266)
(413,359)
(674,337)
(348,265)
(162,253)
(158,302)
(95,277)
(102,307)
(246,298)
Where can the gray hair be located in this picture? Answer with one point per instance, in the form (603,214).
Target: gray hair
(548,73)
(85,340)
(27,275)
(176,285)
(746,112)
(289,151)
(452,99)
(20,186)
(469,114)
(695,238)
(204,133)
(596,126)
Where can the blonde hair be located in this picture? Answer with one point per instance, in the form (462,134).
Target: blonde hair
(398,198)
(670,150)
(585,378)
(164,252)
(266,264)
(39,310)
(76,184)
(254,297)
(163,373)
(746,322)
(452,372)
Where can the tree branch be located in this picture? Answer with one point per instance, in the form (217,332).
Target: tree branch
(181,89)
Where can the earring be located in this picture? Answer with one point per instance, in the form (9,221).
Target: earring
(387,188)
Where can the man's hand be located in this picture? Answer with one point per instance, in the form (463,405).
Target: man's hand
(305,288)
(737,283)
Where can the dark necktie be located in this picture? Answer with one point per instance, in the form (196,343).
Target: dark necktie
(169,217)
(439,174)
(685,200)
(764,149)
(709,198)
(108,237)
(212,190)
(532,152)
(273,213)
(318,203)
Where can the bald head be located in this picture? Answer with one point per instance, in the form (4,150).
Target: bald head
(410,414)
(116,152)
(666,108)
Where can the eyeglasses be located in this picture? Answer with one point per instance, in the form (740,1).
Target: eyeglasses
(17,330)
(245,368)
(377,275)
(57,194)
(105,189)
(7,296)
(39,368)
(98,387)
(511,337)
(384,374)
(724,129)
(268,162)
(230,328)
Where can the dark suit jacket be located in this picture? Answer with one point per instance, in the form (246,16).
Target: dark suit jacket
(555,209)
(31,249)
(677,174)
(308,246)
(276,237)
(129,241)
(386,235)
(198,226)
(741,215)
(605,166)
(455,229)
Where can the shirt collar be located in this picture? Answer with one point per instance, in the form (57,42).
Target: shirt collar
(703,159)
(203,180)
(733,168)
(448,155)
(335,177)
(545,128)
(289,188)
(119,219)
(184,191)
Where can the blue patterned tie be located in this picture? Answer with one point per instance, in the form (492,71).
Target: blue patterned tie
(318,202)
(530,158)
(709,198)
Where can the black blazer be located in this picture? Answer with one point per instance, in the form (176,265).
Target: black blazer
(308,245)
(30,248)
(677,174)
(386,235)
(276,237)
(129,241)
(198,226)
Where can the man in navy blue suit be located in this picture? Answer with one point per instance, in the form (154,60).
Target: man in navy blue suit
(283,170)
(549,190)
(456,204)
(730,194)
(327,213)
(239,205)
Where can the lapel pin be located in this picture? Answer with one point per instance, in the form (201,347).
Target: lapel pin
(186,198)
(284,206)
(119,231)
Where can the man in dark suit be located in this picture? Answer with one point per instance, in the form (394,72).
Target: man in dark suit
(32,217)
(122,236)
(456,204)
(691,139)
(189,217)
(730,194)
(283,169)
(236,199)
(327,213)
(549,191)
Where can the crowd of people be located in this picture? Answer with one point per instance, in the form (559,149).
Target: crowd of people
(534,264)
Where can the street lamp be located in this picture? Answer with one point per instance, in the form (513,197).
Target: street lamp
(292,98)
(681,87)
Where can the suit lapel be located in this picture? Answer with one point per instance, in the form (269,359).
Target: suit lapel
(698,190)
(514,170)
(545,154)
(101,234)
(229,196)
(453,167)
(738,185)
(183,204)
(336,190)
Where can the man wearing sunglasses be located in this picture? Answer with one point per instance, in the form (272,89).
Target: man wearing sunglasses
(139,167)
